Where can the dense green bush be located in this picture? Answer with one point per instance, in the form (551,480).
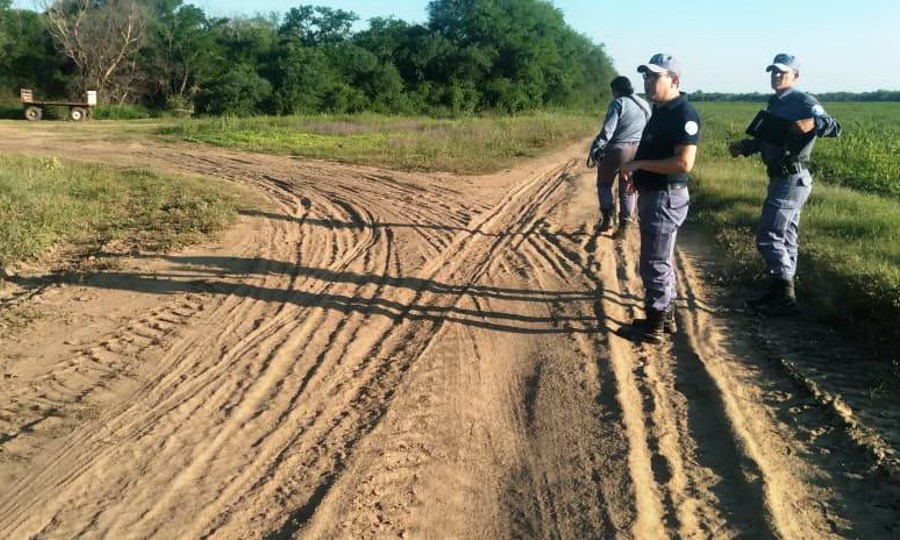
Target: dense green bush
(239,91)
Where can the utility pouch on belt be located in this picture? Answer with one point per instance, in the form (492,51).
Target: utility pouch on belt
(770,128)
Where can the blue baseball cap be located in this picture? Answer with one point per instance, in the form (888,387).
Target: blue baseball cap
(784,62)
(660,63)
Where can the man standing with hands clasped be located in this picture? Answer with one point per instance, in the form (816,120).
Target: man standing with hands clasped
(787,159)
(659,173)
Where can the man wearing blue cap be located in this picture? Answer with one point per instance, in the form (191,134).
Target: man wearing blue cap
(790,182)
(659,173)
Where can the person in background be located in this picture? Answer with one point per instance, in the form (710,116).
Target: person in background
(790,182)
(615,144)
(659,173)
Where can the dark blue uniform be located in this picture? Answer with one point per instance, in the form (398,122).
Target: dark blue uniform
(663,200)
(790,181)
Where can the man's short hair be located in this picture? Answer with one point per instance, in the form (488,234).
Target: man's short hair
(622,85)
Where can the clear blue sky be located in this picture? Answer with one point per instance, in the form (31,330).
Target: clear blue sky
(723,45)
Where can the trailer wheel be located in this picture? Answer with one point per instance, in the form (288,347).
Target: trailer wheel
(77,114)
(33,113)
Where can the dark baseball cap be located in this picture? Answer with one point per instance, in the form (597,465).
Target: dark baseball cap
(784,62)
(660,63)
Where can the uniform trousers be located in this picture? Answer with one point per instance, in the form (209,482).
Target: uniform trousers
(779,225)
(661,213)
(614,156)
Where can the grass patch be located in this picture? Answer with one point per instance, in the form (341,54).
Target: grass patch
(48,203)
(121,112)
(466,146)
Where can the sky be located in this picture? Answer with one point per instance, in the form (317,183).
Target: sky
(723,46)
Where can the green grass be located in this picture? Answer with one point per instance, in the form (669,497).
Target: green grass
(467,146)
(49,204)
(849,250)
(121,112)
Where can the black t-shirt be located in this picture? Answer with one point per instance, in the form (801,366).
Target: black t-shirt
(674,124)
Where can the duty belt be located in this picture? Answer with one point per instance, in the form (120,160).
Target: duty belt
(786,169)
(670,186)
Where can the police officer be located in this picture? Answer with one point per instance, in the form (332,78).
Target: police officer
(790,182)
(659,173)
(616,144)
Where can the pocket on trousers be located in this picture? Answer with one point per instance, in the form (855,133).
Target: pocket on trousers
(781,192)
(678,199)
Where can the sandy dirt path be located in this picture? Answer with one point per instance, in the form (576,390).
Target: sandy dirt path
(394,355)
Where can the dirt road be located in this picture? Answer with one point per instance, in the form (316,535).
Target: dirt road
(383,354)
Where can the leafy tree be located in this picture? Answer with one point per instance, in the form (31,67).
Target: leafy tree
(301,78)
(4,13)
(472,55)
(316,25)
(30,60)
(179,53)
(238,91)
(520,53)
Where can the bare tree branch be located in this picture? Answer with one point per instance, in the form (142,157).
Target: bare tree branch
(99,37)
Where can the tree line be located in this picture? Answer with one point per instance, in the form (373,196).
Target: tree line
(470,56)
(877,95)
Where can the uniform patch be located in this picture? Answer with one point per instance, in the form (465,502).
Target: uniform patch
(818,110)
(691,128)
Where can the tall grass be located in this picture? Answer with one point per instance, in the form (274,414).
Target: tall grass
(50,203)
(468,145)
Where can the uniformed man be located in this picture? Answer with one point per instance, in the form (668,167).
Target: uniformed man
(614,145)
(790,182)
(659,173)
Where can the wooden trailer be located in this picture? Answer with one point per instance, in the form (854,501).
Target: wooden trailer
(78,111)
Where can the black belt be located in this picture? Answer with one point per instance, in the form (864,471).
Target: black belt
(786,169)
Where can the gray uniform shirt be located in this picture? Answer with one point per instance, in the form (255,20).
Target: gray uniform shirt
(794,105)
(625,121)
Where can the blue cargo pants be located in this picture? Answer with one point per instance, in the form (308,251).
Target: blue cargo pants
(661,213)
(779,225)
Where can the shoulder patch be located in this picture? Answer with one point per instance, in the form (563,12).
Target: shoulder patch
(818,110)
(691,127)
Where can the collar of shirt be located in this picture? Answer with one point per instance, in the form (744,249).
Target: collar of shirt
(674,103)
(784,95)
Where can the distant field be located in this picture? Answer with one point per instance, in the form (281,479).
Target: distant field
(467,145)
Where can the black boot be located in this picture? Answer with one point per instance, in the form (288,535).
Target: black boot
(778,299)
(785,300)
(649,330)
(624,226)
(607,222)
(670,326)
